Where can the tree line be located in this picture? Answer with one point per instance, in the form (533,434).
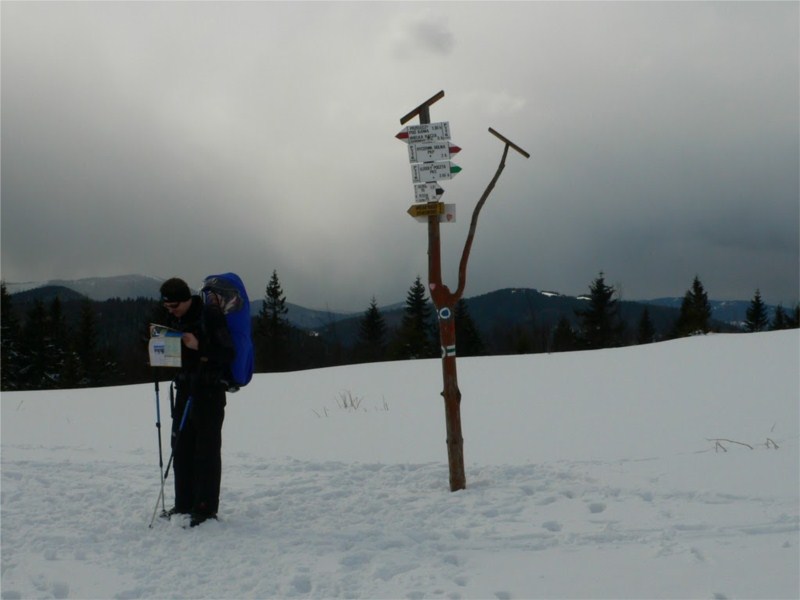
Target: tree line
(600,325)
(81,343)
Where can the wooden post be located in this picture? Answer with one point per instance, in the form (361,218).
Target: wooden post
(445,303)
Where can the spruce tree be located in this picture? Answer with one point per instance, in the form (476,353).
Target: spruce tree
(564,337)
(794,318)
(780,320)
(11,358)
(371,345)
(784,320)
(90,368)
(36,374)
(60,345)
(600,325)
(757,319)
(414,336)
(468,338)
(272,329)
(647,331)
(695,314)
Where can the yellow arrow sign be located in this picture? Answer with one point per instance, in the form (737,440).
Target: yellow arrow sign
(429,209)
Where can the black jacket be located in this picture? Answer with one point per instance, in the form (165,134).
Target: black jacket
(210,363)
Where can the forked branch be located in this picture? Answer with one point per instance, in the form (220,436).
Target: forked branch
(462,267)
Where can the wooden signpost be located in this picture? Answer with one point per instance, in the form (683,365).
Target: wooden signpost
(436,165)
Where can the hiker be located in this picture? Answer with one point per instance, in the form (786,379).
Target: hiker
(207,351)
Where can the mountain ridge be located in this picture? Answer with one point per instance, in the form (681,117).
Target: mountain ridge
(547,304)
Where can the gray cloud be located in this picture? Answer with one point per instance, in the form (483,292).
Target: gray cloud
(421,33)
(188,138)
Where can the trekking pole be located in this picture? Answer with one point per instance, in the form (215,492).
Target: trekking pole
(169,462)
(160,451)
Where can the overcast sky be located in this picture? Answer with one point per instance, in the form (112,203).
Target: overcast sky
(191,138)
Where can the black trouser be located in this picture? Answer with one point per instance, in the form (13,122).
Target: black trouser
(197,460)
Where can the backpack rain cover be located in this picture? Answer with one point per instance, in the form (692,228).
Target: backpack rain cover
(232,299)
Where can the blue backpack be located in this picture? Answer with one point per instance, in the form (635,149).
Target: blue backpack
(228,292)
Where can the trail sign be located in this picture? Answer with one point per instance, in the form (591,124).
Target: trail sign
(443,299)
(433,171)
(427,132)
(431,151)
(445,212)
(427,192)
(426,210)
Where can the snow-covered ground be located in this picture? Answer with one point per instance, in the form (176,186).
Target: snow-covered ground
(589,475)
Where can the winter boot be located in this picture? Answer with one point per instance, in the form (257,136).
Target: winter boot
(173,511)
(198,518)
(201,514)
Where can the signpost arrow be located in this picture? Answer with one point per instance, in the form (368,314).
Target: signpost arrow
(445,212)
(431,151)
(433,171)
(427,192)
(427,132)
(426,210)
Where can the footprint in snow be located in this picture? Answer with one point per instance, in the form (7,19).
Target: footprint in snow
(597,507)
(553,526)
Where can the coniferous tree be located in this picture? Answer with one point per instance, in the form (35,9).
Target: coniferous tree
(414,336)
(600,325)
(757,319)
(647,331)
(11,359)
(70,374)
(695,314)
(564,337)
(90,365)
(371,345)
(272,329)
(468,338)
(520,340)
(780,320)
(36,373)
(794,317)
(60,345)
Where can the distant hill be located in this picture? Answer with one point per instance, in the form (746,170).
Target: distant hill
(97,288)
(47,294)
(727,311)
(522,308)
(496,310)
(304,318)
(141,286)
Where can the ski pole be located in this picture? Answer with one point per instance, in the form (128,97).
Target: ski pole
(171,455)
(160,451)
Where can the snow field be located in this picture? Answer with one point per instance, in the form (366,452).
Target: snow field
(590,475)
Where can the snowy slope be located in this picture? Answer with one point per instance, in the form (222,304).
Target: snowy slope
(589,475)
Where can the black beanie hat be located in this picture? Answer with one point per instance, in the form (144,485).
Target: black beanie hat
(175,290)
